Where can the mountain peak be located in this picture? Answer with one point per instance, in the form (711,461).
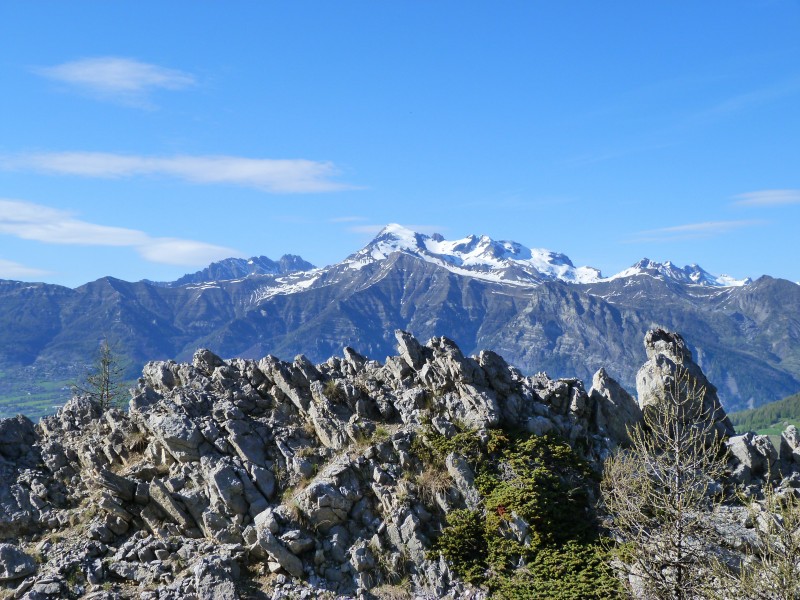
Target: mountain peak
(692,274)
(477,256)
(238,268)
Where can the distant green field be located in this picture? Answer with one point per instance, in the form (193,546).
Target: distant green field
(770,419)
(34,401)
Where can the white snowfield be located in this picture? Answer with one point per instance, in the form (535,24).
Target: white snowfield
(510,262)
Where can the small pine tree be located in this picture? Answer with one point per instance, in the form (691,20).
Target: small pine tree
(103,381)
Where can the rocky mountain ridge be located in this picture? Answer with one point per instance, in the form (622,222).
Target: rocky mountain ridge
(239,268)
(481,293)
(272,479)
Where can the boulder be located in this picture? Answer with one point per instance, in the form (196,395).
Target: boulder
(280,553)
(14,563)
(161,497)
(120,486)
(17,436)
(215,578)
(323,504)
(464,480)
(178,434)
(790,445)
(755,452)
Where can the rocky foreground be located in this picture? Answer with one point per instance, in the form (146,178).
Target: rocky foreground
(268,479)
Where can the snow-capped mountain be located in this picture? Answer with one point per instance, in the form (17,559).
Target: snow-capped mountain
(510,262)
(691,274)
(480,257)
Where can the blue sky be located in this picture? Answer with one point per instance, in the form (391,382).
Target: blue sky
(145,139)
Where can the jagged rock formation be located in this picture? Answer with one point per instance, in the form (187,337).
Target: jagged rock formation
(232,478)
(237,268)
(669,360)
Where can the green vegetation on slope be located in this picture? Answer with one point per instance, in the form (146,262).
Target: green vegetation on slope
(770,419)
(534,534)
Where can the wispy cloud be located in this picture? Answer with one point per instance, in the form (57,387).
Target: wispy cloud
(615,153)
(768,198)
(13,270)
(754,98)
(690,231)
(375,229)
(30,221)
(290,176)
(123,80)
(347,219)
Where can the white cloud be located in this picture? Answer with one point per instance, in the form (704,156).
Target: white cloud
(768,198)
(266,174)
(13,270)
(174,251)
(692,231)
(44,224)
(118,79)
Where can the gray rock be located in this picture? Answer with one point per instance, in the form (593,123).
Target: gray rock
(279,553)
(668,358)
(122,487)
(248,445)
(264,480)
(790,445)
(17,437)
(228,488)
(329,419)
(215,578)
(615,409)
(297,542)
(410,349)
(323,504)
(132,571)
(206,361)
(179,435)
(755,452)
(161,497)
(464,480)
(538,425)
(14,563)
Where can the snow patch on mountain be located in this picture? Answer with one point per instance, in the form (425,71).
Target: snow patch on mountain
(480,257)
(691,274)
(290,284)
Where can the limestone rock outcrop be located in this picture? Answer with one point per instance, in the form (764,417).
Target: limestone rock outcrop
(616,411)
(670,367)
(306,477)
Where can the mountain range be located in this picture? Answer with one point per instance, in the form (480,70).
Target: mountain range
(533,306)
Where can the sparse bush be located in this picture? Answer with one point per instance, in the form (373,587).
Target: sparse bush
(770,569)
(398,591)
(333,391)
(381,434)
(432,482)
